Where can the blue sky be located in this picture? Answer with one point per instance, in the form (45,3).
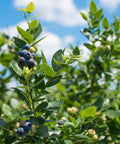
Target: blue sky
(61,20)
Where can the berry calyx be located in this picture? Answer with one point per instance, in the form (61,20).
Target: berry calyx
(33,55)
(20,131)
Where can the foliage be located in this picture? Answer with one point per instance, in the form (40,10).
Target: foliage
(71,101)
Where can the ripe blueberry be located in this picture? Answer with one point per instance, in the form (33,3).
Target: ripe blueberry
(20,131)
(22,52)
(60,122)
(27,55)
(22,61)
(27,125)
(31,63)
(27,46)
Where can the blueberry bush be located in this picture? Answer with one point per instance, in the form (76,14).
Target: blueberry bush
(73,101)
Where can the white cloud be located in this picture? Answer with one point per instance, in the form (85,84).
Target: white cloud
(111,5)
(69,39)
(12,31)
(62,11)
(49,45)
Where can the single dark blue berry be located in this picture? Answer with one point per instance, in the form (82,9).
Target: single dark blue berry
(60,122)
(27,125)
(11,46)
(27,55)
(22,53)
(27,46)
(31,63)
(22,61)
(33,55)
(21,131)
(7,36)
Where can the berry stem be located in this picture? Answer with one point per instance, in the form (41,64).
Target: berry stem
(31,97)
(5,129)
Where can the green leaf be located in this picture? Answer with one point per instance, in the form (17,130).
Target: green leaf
(105,23)
(112,113)
(89,46)
(2,122)
(93,7)
(38,82)
(33,24)
(88,112)
(16,68)
(42,131)
(78,122)
(73,120)
(43,57)
(38,41)
(82,136)
(14,103)
(84,16)
(58,57)
(25,35)
(30,8)
(53,81)
(38,58)
(22,9)
(76,51)
(21,95)
(10,139)
(37,140)
(47,70)
(99,103)
(98,13)
(59,63)
(37,120)
(7,110)
(116,25)
(28,113)
(19,43)
(56,104)
(41,106)
(37,31)
(68,141)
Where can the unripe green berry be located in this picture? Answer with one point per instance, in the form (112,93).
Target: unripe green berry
(95,137)
(17,125)
(64,118)
(91,132)
(32,49)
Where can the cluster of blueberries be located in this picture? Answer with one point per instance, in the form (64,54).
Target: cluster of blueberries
(27,57)
(24,127)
